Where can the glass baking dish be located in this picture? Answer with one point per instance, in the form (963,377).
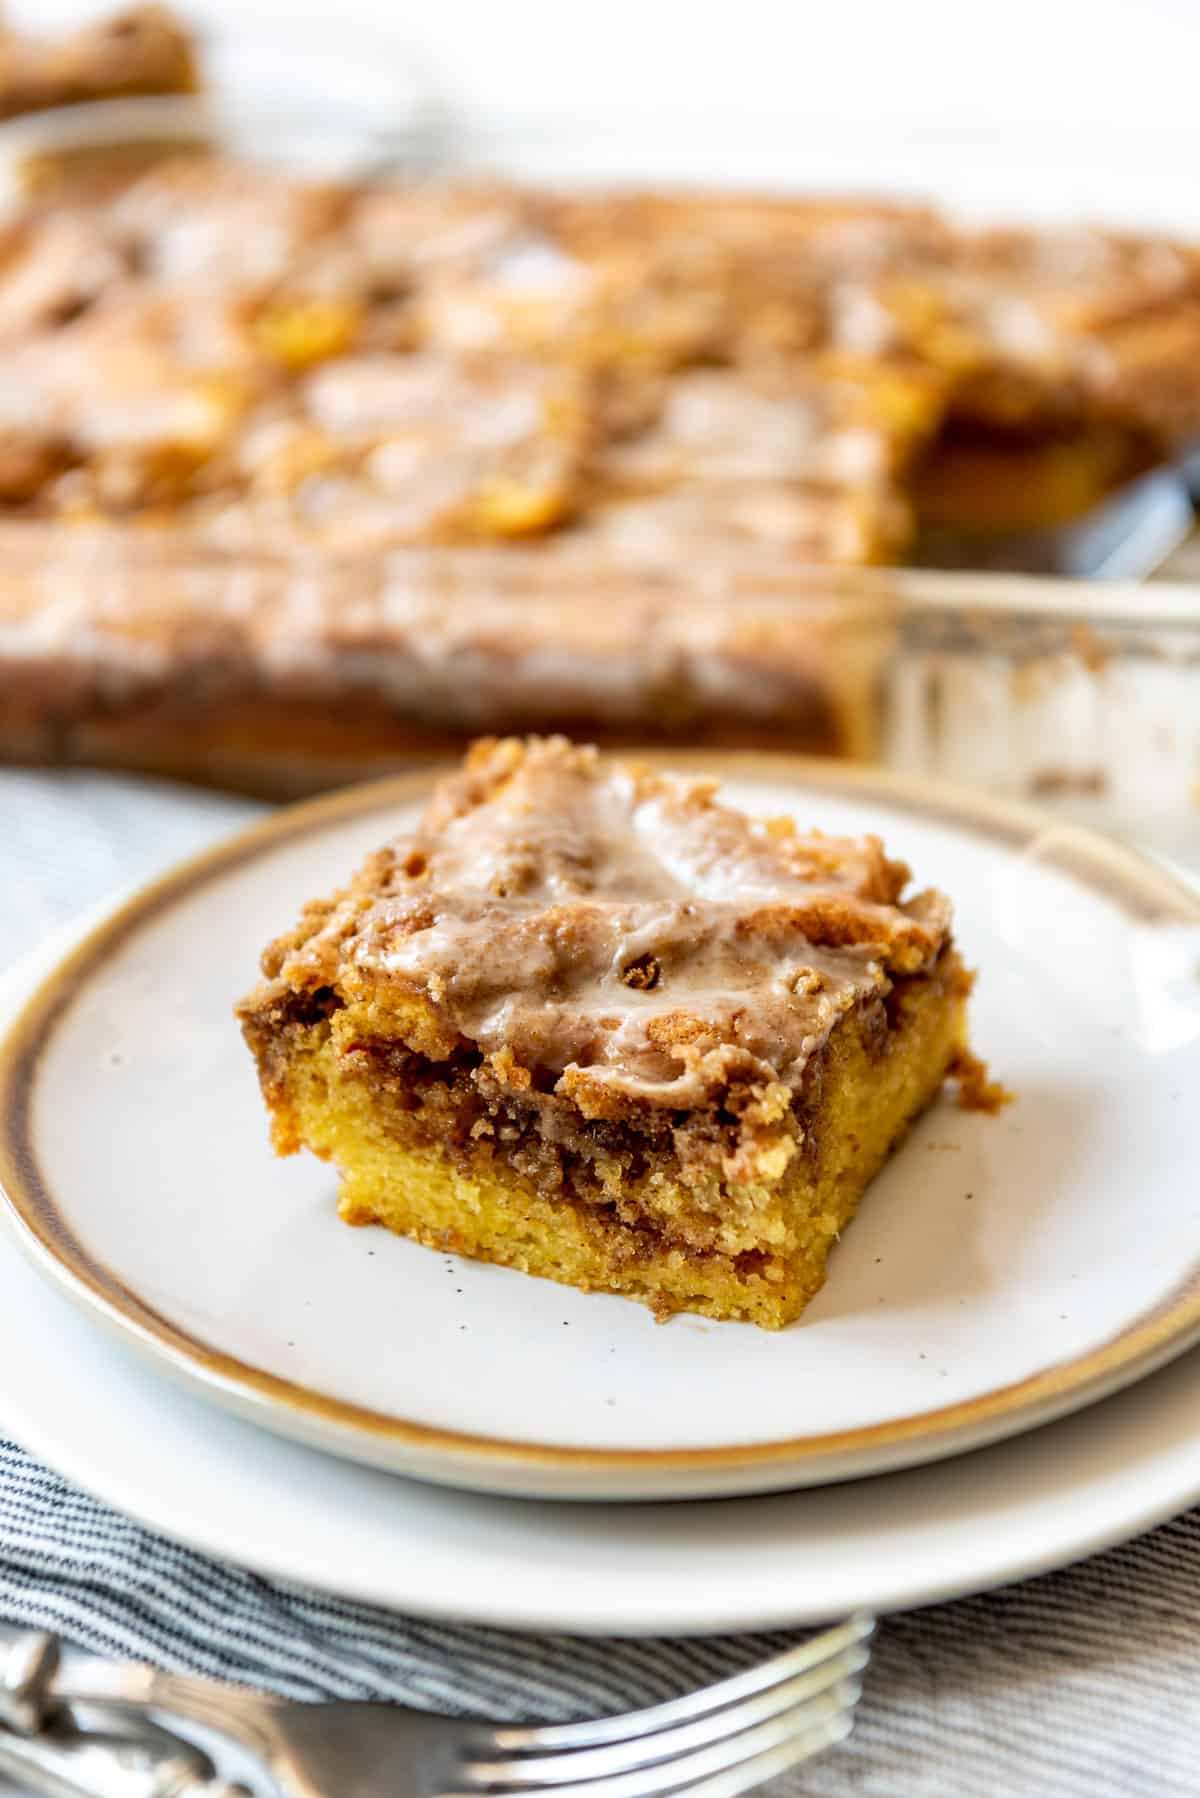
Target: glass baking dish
(285,674)
(1083,698)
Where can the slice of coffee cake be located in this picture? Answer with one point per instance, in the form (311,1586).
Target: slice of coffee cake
(589,1022)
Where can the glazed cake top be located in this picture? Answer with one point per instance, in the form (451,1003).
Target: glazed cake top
(613,932)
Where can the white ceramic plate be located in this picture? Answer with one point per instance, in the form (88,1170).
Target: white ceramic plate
(105,1419)
(1002,1271)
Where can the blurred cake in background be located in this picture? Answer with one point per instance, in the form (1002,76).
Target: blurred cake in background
(301,475)
(143,50)
(260,360)
(112,68)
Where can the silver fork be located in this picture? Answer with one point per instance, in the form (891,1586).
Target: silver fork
(712,1743)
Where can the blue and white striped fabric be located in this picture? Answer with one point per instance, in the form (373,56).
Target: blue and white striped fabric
(1085,1684)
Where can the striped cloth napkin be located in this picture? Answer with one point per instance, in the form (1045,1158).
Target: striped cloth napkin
(1083,1684)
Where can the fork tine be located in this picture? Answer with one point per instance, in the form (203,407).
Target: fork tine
(809,1719)
(600,1730)
(522,1772)
(761,1767)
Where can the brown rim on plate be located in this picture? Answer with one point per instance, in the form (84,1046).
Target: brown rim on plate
(1144,891)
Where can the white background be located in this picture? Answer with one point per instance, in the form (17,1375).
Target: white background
(777,60)
(1038,105)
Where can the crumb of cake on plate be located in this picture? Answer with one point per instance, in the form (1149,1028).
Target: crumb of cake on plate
(588,1021)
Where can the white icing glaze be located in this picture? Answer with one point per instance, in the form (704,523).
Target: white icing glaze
(622,927)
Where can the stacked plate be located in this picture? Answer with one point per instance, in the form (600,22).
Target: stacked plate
(194,1336)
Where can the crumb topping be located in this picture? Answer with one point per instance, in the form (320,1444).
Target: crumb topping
(620,936)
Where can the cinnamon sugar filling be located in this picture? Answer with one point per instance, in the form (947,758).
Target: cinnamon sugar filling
(461,1109)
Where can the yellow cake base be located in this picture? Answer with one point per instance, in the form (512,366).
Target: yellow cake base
(873,1084)
(992,486)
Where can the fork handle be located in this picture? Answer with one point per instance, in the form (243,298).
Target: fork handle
(75,1763)
(43,1746)
(130,1687)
